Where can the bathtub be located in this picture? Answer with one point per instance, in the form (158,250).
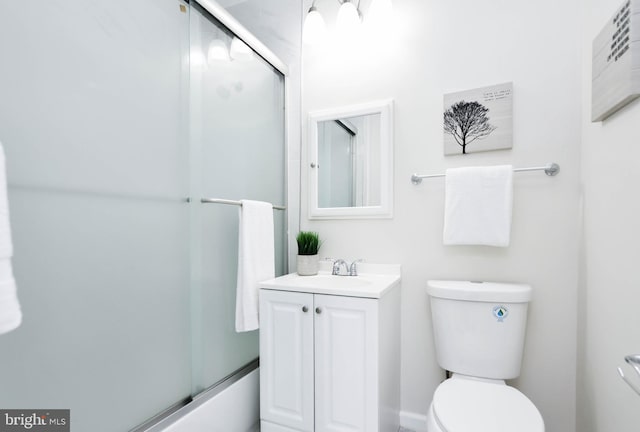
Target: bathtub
(231,406)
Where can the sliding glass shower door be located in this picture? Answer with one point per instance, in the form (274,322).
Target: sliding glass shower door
(116,118)
(237,137)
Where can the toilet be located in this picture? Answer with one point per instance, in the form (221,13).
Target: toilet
(479,332)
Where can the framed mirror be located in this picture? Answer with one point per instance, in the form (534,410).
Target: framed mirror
(351,162)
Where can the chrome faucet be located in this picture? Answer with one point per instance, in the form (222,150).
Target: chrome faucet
(349,270)
(336,268)
(353,269)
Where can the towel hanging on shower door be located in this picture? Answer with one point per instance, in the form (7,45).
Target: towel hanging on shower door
(10,313)
(256,260)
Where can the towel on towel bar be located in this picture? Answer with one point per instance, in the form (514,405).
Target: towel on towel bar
(478,206)
(256,260)
(10,313)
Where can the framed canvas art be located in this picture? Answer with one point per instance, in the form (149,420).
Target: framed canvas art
(478,120)
(615,79)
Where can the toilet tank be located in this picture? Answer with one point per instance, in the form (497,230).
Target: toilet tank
(479,327)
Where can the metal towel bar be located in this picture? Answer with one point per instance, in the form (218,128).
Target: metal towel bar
(550,170)
(232,202)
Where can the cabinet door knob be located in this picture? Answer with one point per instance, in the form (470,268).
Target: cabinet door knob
(318,310)
(305,309)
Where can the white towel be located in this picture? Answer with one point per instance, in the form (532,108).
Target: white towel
(256,260)
(478,206)
(10,313)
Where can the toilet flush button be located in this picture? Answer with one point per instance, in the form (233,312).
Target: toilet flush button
(500,312)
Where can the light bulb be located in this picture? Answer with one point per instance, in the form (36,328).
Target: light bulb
(197,59)
(380,11)
(348,17)
(240,50)
(314,27)
(217,51)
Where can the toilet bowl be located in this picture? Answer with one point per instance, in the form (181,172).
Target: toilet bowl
(479,334)
(466,404)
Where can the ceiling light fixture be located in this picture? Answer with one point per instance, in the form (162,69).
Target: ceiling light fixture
(217,51)
(380,10)
(239,50)
(314,27)
(349,19)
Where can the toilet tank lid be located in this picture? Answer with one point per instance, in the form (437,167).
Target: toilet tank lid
(479,291)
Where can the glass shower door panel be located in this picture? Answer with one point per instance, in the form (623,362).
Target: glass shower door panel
(237,121)
(92,118)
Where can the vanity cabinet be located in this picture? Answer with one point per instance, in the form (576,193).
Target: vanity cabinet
(329,363)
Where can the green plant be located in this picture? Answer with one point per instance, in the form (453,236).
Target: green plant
(308,243)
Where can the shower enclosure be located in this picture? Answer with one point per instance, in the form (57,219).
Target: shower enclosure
(117,118)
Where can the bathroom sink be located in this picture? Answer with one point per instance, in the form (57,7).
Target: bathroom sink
(371,285)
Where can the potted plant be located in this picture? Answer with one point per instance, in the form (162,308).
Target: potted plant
(308,247)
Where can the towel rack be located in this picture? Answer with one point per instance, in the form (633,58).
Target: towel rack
(232,202)
(634,361)
(549,169)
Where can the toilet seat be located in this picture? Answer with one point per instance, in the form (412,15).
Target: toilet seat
(468,405)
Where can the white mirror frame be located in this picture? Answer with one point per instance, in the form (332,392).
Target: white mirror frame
(385,209)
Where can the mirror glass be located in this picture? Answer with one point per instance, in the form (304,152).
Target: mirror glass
(351,162)
(348,162)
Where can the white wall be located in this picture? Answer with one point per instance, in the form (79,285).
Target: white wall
(430,48)
(610,288)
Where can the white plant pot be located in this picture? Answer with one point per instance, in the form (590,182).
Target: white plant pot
(307,265)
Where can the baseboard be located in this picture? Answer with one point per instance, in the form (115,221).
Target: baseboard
(413,421)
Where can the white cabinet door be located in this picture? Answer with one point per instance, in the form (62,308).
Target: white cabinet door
(286,359)
(346,363)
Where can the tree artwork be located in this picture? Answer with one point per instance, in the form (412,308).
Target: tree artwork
(467,122)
